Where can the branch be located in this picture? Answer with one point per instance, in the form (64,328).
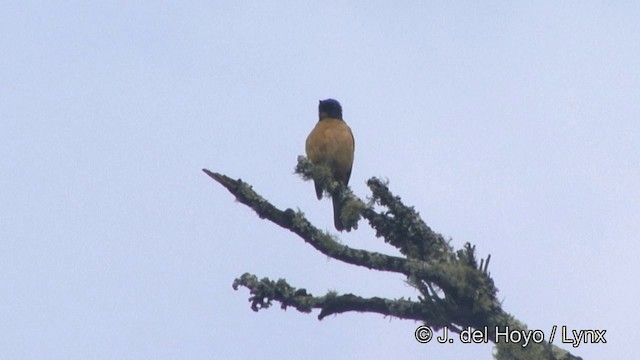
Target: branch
(264,291)
(456,291)
(323,242)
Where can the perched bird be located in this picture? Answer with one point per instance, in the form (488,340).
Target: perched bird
(331,142)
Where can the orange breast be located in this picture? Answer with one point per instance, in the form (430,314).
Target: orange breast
(331,142)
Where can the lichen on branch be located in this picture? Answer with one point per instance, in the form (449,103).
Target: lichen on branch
(456,289)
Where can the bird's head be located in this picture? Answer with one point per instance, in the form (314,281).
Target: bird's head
(330,108)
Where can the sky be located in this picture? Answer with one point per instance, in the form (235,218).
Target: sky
(509,125)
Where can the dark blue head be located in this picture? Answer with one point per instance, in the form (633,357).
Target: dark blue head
(330,108)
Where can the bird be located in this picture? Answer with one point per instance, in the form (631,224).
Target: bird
(331,143)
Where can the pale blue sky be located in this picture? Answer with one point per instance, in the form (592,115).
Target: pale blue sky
(513,126)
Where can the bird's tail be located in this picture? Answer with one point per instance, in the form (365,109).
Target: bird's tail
(337,210)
